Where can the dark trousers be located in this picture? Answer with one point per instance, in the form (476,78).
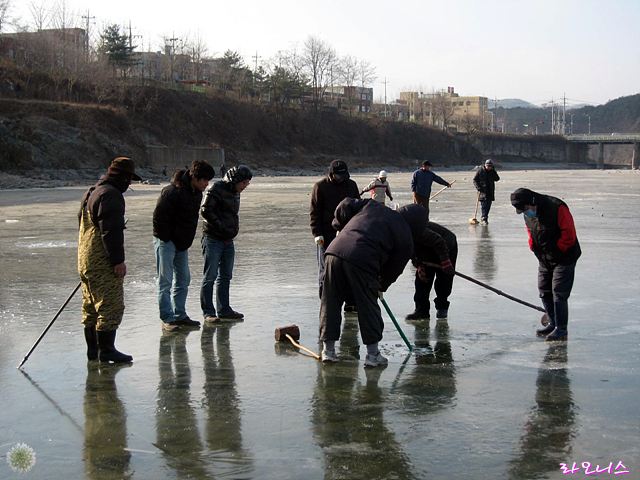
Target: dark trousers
(420,200)
(341,276)
(554,287)
(443,285)
(485,206)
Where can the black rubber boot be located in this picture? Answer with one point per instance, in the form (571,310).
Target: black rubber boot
(549,307)
(92,342)
(562,319)
(108,352)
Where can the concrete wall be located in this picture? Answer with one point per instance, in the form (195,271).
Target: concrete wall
(531,148)
(175,158)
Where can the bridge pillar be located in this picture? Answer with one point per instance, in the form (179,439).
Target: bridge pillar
(635,160)
(600,163)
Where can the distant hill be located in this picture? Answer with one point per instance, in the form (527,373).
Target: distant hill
(511,103)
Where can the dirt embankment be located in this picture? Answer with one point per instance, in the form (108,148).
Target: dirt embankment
(38,135)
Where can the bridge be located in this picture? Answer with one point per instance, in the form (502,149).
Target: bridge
(612,139)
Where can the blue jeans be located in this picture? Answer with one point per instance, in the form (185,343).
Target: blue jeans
(218,270)
(173,280)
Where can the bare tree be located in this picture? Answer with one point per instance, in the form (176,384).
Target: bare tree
(440,107)
(40,15)
(318,59)
(5,9)
(197,51)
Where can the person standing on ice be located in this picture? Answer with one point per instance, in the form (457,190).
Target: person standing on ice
(368,255)
(175,222)
(101,260)
(379,188)
(421,184)
(485,182)
(220,226)
(553,240)
(325,197)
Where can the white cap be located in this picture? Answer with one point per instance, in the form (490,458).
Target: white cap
(383,174)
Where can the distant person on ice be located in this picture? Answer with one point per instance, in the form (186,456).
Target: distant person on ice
(421,184)
(379,188)
(432,243)
(175,222)
(553,240)
(325,197)
(485,182)
(101,260)
(368,255)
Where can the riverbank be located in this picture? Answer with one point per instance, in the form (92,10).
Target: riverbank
(54,177)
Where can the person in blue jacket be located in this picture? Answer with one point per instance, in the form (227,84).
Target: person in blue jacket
(421,184)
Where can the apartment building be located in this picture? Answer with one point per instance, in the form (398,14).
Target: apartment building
(448,110)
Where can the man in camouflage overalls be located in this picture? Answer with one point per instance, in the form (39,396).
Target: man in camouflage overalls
(101,260)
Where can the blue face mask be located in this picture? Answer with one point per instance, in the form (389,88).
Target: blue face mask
(529,213)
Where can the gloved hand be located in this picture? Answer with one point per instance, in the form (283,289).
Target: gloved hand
(380,295)
(390,198)
(422,274)
(319,240)
(447,267)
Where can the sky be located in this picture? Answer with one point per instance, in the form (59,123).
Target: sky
(573,51)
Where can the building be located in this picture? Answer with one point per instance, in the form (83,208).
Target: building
(448,110)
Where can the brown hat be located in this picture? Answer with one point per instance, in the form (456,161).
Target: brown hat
(124,165)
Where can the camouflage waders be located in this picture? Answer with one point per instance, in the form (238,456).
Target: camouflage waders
(102,290)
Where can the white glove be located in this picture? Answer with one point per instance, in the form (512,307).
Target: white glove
(319,240)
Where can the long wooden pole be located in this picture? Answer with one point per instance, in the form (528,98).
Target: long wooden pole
(442,190)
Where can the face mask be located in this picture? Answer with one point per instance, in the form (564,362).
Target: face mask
(529,213)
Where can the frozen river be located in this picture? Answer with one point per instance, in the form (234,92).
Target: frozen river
(481,397)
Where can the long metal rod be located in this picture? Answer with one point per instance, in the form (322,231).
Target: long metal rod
(442,190)
(393,319)
(489,287)
(49,326)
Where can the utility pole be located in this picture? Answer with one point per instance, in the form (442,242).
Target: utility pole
(385,97)
(494,127)
(564,114)
(255,70)
(88,18)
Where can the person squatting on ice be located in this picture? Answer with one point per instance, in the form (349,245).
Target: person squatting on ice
(485,182)
(175,222)
(379,188)
(432,243)
(553,240)
(421,184)
(221,225)
(325,197)
(368,255)
(101,260)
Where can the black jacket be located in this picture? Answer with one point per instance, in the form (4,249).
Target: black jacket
(372,236)
(175,218)
(220,211)
(105,204)
(432,243)
(326,196)
(485,182)
(545,233)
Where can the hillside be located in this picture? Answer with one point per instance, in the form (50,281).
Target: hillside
(40,131)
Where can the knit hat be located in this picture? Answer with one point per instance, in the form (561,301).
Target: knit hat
(489,162)
(382,174)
